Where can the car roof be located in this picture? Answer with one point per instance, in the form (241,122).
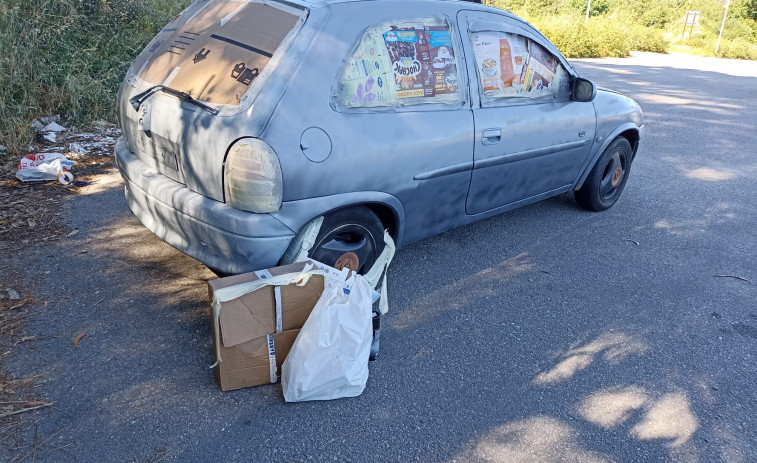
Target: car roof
(321,3)
(464,4)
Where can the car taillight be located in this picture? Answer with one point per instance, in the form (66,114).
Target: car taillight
(252,175)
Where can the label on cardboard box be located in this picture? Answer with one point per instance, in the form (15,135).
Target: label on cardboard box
(272,359)
(263,274)
(277,297)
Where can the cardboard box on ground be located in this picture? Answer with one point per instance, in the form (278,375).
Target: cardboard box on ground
(249,336)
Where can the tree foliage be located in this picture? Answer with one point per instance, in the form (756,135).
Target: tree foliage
(617,26)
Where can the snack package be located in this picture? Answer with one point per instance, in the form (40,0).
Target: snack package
(540,71)
(442,58)
(500,58)
(367,77)
(486,50)
(402,47)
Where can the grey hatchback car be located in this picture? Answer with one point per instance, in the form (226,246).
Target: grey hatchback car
(243,121)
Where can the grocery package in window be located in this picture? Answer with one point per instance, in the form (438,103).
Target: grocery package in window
(367,78)
(412,62)
(410,74)
(442,58)
(541,69)
(500,59)
(423,61)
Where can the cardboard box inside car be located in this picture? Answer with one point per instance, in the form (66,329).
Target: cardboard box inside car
(246,321)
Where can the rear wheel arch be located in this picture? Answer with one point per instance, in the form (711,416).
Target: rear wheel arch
(387,216)
(354,229)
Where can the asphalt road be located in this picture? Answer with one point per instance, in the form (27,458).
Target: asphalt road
(544,334)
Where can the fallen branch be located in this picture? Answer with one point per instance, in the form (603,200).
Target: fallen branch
(23,410)
(732,276)
(27,339)
(24,315)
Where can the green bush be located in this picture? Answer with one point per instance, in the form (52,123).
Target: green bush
(617,26)
(737,49)
(598,7)
(600,36)
(651,39)
(68,57)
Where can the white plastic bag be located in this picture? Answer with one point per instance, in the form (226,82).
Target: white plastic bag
(45,166)
(329,359)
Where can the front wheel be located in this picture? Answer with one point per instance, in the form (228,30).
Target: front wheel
(608,178)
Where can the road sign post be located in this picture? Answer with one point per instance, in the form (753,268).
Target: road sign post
(691,20)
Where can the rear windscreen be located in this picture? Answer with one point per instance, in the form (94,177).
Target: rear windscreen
(218,51)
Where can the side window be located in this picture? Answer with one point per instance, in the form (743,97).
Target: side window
(401,63)
(511,66)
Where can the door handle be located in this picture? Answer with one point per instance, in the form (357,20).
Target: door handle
(491,136)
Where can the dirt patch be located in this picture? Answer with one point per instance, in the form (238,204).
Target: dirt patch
(31,213)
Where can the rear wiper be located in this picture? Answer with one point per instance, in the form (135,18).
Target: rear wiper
(137,100)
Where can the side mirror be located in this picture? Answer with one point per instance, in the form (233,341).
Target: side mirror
(584,89)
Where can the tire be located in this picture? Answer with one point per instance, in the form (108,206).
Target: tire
(607,178)
(353,229)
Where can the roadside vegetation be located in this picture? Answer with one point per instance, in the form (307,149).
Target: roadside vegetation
(616,27)
(68,57)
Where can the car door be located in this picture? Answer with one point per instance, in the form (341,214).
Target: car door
(530,138)
(399,121)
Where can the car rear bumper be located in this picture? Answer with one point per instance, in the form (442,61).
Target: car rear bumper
(219,236)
